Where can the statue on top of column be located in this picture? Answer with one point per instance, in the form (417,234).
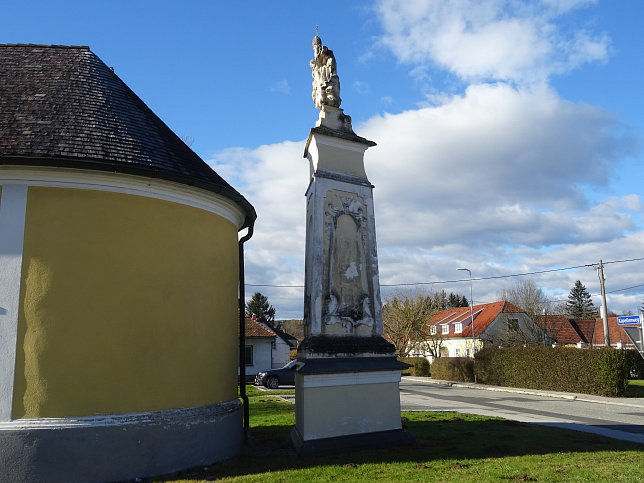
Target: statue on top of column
(326,83)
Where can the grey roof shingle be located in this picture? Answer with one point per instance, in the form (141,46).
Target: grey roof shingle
(62,106)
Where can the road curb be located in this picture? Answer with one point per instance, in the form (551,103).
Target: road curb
(636,403)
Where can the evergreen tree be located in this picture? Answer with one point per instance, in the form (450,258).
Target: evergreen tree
(442,301)
(456,300)
(579,304)
(259,306)
(439,300)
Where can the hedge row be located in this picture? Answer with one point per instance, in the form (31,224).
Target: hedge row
(453,369)
(419,366)
(599,371)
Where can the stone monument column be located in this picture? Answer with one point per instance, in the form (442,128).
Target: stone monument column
(347,375)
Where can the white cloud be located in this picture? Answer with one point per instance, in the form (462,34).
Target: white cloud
(517,41)
(273,178)
(632,202)
(522,154)
(490,180)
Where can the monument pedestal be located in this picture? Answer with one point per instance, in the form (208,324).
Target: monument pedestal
(347,395)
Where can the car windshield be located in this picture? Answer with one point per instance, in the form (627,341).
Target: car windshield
(289,365)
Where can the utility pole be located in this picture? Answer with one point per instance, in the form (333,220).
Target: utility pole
(471,312)
(602,279)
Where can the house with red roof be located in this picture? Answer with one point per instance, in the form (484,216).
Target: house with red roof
(583,333)
(564,331)
(457,331)
(267,347)
(617,337)
(259,341)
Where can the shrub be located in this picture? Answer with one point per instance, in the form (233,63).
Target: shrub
(453,369)
(594,371)
(419,366)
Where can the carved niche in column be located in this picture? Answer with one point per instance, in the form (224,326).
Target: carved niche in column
(347,292)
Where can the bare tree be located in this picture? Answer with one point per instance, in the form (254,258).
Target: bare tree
(430,344)
(404,318)
(517,332)
(526,295)
(188,140)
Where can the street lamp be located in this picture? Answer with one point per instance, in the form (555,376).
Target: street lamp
(471,308)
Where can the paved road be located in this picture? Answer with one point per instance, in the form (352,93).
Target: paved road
(621,418)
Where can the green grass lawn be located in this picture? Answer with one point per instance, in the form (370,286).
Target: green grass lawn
(448,447)
(635,388)
(253,391)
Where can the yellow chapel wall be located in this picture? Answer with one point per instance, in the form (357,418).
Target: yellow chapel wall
(127,304)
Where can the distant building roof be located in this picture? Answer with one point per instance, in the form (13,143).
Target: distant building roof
(61,106)
(254,328)
(566,330)
(285,336)
(293,327)
(615,332)
(484,315)
(585,328)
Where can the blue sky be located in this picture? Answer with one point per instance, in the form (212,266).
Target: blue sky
(510,133)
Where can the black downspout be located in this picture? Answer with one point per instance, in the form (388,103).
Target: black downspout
(242,331)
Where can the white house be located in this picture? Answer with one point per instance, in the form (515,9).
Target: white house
(259,347)
(281,347)
(267,347)
(498,324)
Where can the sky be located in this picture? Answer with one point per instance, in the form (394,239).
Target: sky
(510,133)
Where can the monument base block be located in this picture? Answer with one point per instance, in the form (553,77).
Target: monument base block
(346,408)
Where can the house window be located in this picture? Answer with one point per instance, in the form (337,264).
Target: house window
(513,324)
(458,327)
(433,330)
(445,328)
(457,352)
(467,352)
(249,355)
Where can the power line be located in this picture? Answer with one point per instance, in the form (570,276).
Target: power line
(273,286)
(627,288)
(486,278)
(492,277)
(628,260)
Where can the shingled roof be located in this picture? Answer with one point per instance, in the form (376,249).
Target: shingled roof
(62,106)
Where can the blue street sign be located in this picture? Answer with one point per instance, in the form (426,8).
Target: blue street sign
(628,320)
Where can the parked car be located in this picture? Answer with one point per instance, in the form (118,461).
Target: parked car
(274,377)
